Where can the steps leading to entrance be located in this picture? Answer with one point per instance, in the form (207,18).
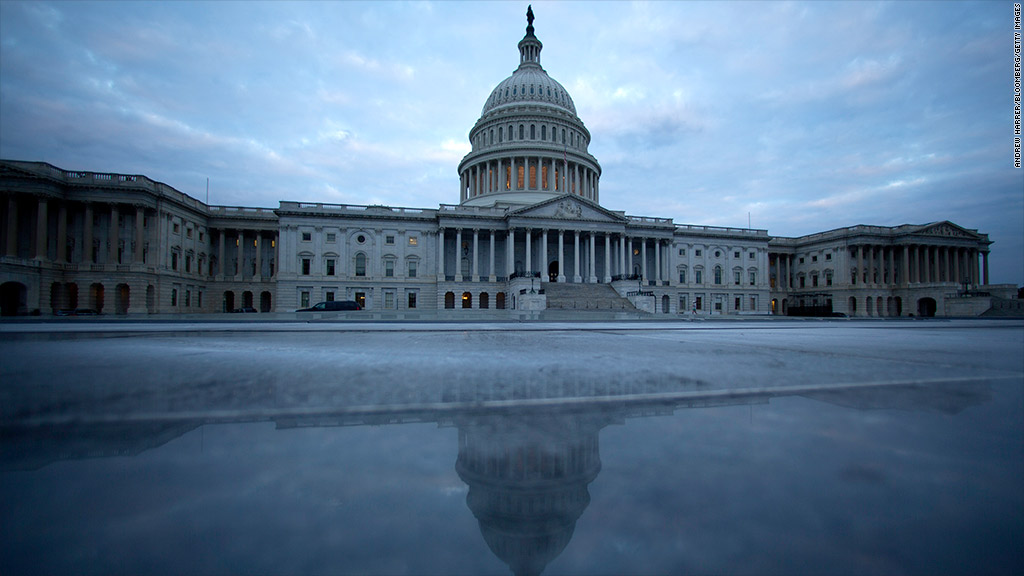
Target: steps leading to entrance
(566,296)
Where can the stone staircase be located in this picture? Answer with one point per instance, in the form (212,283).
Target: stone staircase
(565,296)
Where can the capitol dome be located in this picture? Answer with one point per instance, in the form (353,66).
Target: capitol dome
(528,145)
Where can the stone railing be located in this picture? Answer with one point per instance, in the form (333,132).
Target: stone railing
(355,209)
(749,232)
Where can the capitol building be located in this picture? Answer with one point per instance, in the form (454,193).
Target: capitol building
(528,233)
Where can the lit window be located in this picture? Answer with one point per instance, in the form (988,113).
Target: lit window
(413,241)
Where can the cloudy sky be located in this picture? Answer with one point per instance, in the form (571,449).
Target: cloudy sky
(795,117)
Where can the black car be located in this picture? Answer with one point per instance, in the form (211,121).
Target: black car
(332,306)
(245,310)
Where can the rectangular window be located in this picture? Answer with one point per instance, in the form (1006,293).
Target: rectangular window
(361,299)
(682,276)
(543,174)
(188,263)
(412,269)
(413,241)
(814,258)
(188,232)
(304,299)
(389,300)
(174,296)
(330,266)
(697,253)
(389,268)
(201,236)
(177,228)
(682,303)
(718,305)
(329,296)
(828,279)
(801,260)
(307,236)
(533,175)
(814,280)
(389,240)
(697,276)
(174,260)
(682,251)
(803,281)
(305,266)
(828,257)
(412,299)
(736,278)
(332,237)
(753,303)
(698,302)
(753,278)
(188,298)
(736,254)
(520,176)
(736,304)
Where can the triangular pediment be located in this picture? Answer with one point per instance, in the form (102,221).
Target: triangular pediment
(569,207)
(946,229)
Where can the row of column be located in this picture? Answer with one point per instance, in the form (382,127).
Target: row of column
(892,266)
(624,249)
(241,240)
(529,173)
(41,233)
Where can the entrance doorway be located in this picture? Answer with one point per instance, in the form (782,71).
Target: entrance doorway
(13,297)
(553,271)
(926,307)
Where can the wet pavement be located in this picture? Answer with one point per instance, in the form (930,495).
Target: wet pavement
(488,448)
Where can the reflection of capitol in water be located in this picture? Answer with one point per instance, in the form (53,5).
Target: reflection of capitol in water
(528,478)
(527,450)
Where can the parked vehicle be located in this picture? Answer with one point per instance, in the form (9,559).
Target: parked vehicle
(332,306)
(245,310)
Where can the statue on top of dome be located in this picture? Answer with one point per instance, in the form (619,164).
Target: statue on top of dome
(529,19)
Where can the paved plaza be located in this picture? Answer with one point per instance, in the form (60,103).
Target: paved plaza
(606,447)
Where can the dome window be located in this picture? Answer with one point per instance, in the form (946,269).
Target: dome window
(513,90)
(500,135)
(511,134)
(506,92)
(533,132)
(522,135)
(543,132)
(531,89)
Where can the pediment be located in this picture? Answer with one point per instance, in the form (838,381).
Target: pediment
(569,207)
(946,229)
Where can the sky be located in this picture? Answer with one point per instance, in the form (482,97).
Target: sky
(794,117)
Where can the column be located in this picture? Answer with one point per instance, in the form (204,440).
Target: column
(860,265)
(593,249)
(220,256)
(512,175)
(112,235)
(62,233)
(927,277)
(623,270)
(458,254)
(41,230)
(607,258)
(529,252)
(657,262)
(576,256)
(510,252)
(258,276)
(440,255)
(140,236)
(643,259)
(905,272)
(984,259)
(87,225)
(491,276)
(561,256)
(544,255)
(955,267)
(240,268)
(12,227)
(475,270)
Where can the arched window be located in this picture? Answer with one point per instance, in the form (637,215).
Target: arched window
(467,300)
(543,132)
(501,133)
(492,137)
(485,300)
(522,131)
(449,300)
(718,274)
(360,264)
(499,301)
(511,134)
(533,131)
